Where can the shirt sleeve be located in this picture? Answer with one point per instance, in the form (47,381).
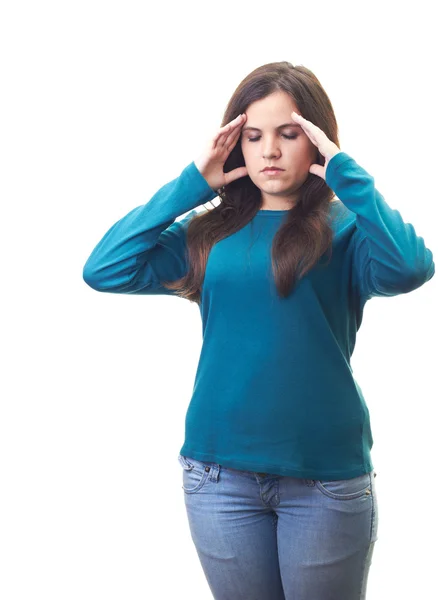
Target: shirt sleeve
(148,245)
(389,258)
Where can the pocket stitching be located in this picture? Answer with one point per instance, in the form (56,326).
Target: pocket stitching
(366,491)
(188,467)
(199,485)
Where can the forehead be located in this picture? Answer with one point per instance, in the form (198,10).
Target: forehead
(272,112)
(276,103)
(283,125)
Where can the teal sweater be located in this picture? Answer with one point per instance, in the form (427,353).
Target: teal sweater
(274,390)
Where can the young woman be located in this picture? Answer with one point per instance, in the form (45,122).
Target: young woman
(277,474)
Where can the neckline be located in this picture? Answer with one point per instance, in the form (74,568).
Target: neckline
(268,212)
(274,213)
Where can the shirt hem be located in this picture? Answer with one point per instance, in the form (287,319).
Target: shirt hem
(243,465)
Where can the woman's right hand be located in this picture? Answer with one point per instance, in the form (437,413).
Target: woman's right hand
(211,162)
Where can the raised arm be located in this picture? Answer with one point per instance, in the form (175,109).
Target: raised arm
(148,245)
(389,258)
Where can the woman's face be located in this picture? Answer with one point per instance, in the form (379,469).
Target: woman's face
(269,144)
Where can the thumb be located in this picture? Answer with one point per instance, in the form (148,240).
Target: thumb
(317,170)
(236,174)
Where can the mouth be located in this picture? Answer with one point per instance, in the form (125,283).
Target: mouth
(272,171)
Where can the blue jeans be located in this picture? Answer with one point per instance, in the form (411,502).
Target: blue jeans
(261,536)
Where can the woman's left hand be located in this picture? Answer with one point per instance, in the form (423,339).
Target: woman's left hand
(326,147)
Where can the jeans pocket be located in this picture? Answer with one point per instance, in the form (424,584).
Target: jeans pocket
(346,489)
(185,463)
(195,474)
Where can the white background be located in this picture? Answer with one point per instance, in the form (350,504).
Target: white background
(102,103)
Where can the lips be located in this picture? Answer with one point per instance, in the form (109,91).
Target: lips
(272,169)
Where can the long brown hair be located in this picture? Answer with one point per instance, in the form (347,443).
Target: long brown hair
(305,234)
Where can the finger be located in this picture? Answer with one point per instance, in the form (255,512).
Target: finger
(224,131)
(235,174)
(231,139)
(228,127)
(305,123)
(299,118)
(313,132)
(317,170)
(233,135)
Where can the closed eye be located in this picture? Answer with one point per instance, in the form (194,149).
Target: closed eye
(288,137)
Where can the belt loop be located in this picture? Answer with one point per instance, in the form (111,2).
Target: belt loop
(213,470)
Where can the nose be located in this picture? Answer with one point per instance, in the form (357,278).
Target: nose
(269,150)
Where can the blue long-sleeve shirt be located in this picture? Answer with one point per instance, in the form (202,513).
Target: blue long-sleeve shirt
(274,390)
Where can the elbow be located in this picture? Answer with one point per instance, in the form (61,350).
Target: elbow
(89,276)
(431,271)
(426,271)
(427,274)
(419,277)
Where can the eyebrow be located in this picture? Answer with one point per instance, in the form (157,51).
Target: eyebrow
(279,127)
